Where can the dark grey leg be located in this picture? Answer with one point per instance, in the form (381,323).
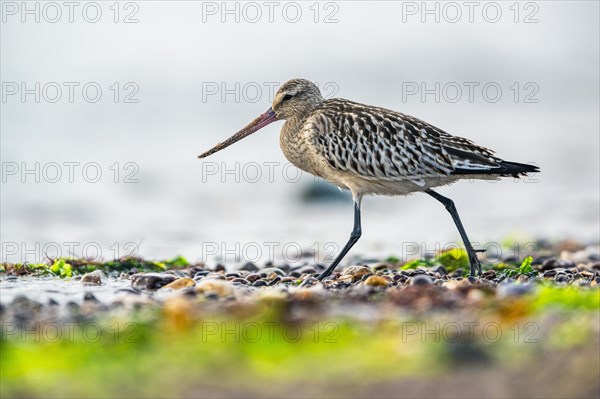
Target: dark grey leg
(449,204)
(354,236)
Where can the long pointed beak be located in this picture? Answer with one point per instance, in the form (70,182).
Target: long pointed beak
(255,125)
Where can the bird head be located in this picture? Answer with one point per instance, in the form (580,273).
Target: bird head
(294,99)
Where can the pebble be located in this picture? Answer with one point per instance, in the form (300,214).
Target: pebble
(421,280)
(249,267)
(376,281)
(268,270)
(151,281)
(252,277)
(305,270)
(439,269)
(180,283)
(489,275)
(199,275)
(218,288)
(553,263)
(97,277)
(215,276)
(357,272)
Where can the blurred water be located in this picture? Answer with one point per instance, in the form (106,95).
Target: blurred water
(179,51)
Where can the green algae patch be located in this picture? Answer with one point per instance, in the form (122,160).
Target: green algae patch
(452,259)
(69,267)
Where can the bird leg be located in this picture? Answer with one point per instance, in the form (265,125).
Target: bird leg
(449,204)
(354,236)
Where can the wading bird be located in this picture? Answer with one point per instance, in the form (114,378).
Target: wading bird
(372,150)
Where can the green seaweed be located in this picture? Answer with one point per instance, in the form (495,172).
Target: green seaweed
(453,259)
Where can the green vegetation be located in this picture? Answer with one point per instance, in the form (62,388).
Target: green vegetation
(67,267)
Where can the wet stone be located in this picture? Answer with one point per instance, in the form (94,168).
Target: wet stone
(94,278)
(151,281)
(199,275)
(376,281)
(180,283)
(305,270)
(90,298)
(457,273)
(489,275)
(214,276)
(439,269)
(214,288)
(553,263)
(357,272)
(252,277)
(219,268)
(259,283)
(266,271)
(549,273)
(274,281)
(249,267)
(239,281)
(421,280)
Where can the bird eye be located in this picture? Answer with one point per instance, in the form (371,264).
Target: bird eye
(287,97)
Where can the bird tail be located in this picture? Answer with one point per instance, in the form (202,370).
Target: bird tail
(504,168)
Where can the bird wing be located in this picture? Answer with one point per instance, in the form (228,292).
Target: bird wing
(378,143)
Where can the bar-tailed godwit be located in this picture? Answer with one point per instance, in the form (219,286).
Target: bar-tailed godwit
(372,150)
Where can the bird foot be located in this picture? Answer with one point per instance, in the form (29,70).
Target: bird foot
(475,265)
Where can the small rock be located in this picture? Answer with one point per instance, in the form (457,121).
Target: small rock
(439,269)
(200,275)
(554,263)
(219,268)
(12,278)
(457,273)
(421,279)
(549,273)
(214,287)
(151,281)
(306,270)
(249,267)
(180,283)
(357,272)
(94,278)
(239,281)
(252,277)
(90,298)
(259,283)
(268,270)
(489,275)
(214,276)
(274,281)
(376,281)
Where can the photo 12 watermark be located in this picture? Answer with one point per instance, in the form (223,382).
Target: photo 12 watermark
(452,12)
(69,172)
(70,92)
(470,92)
(39,252)
(253,92)
(69,12)
(251,332)
(252,12)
